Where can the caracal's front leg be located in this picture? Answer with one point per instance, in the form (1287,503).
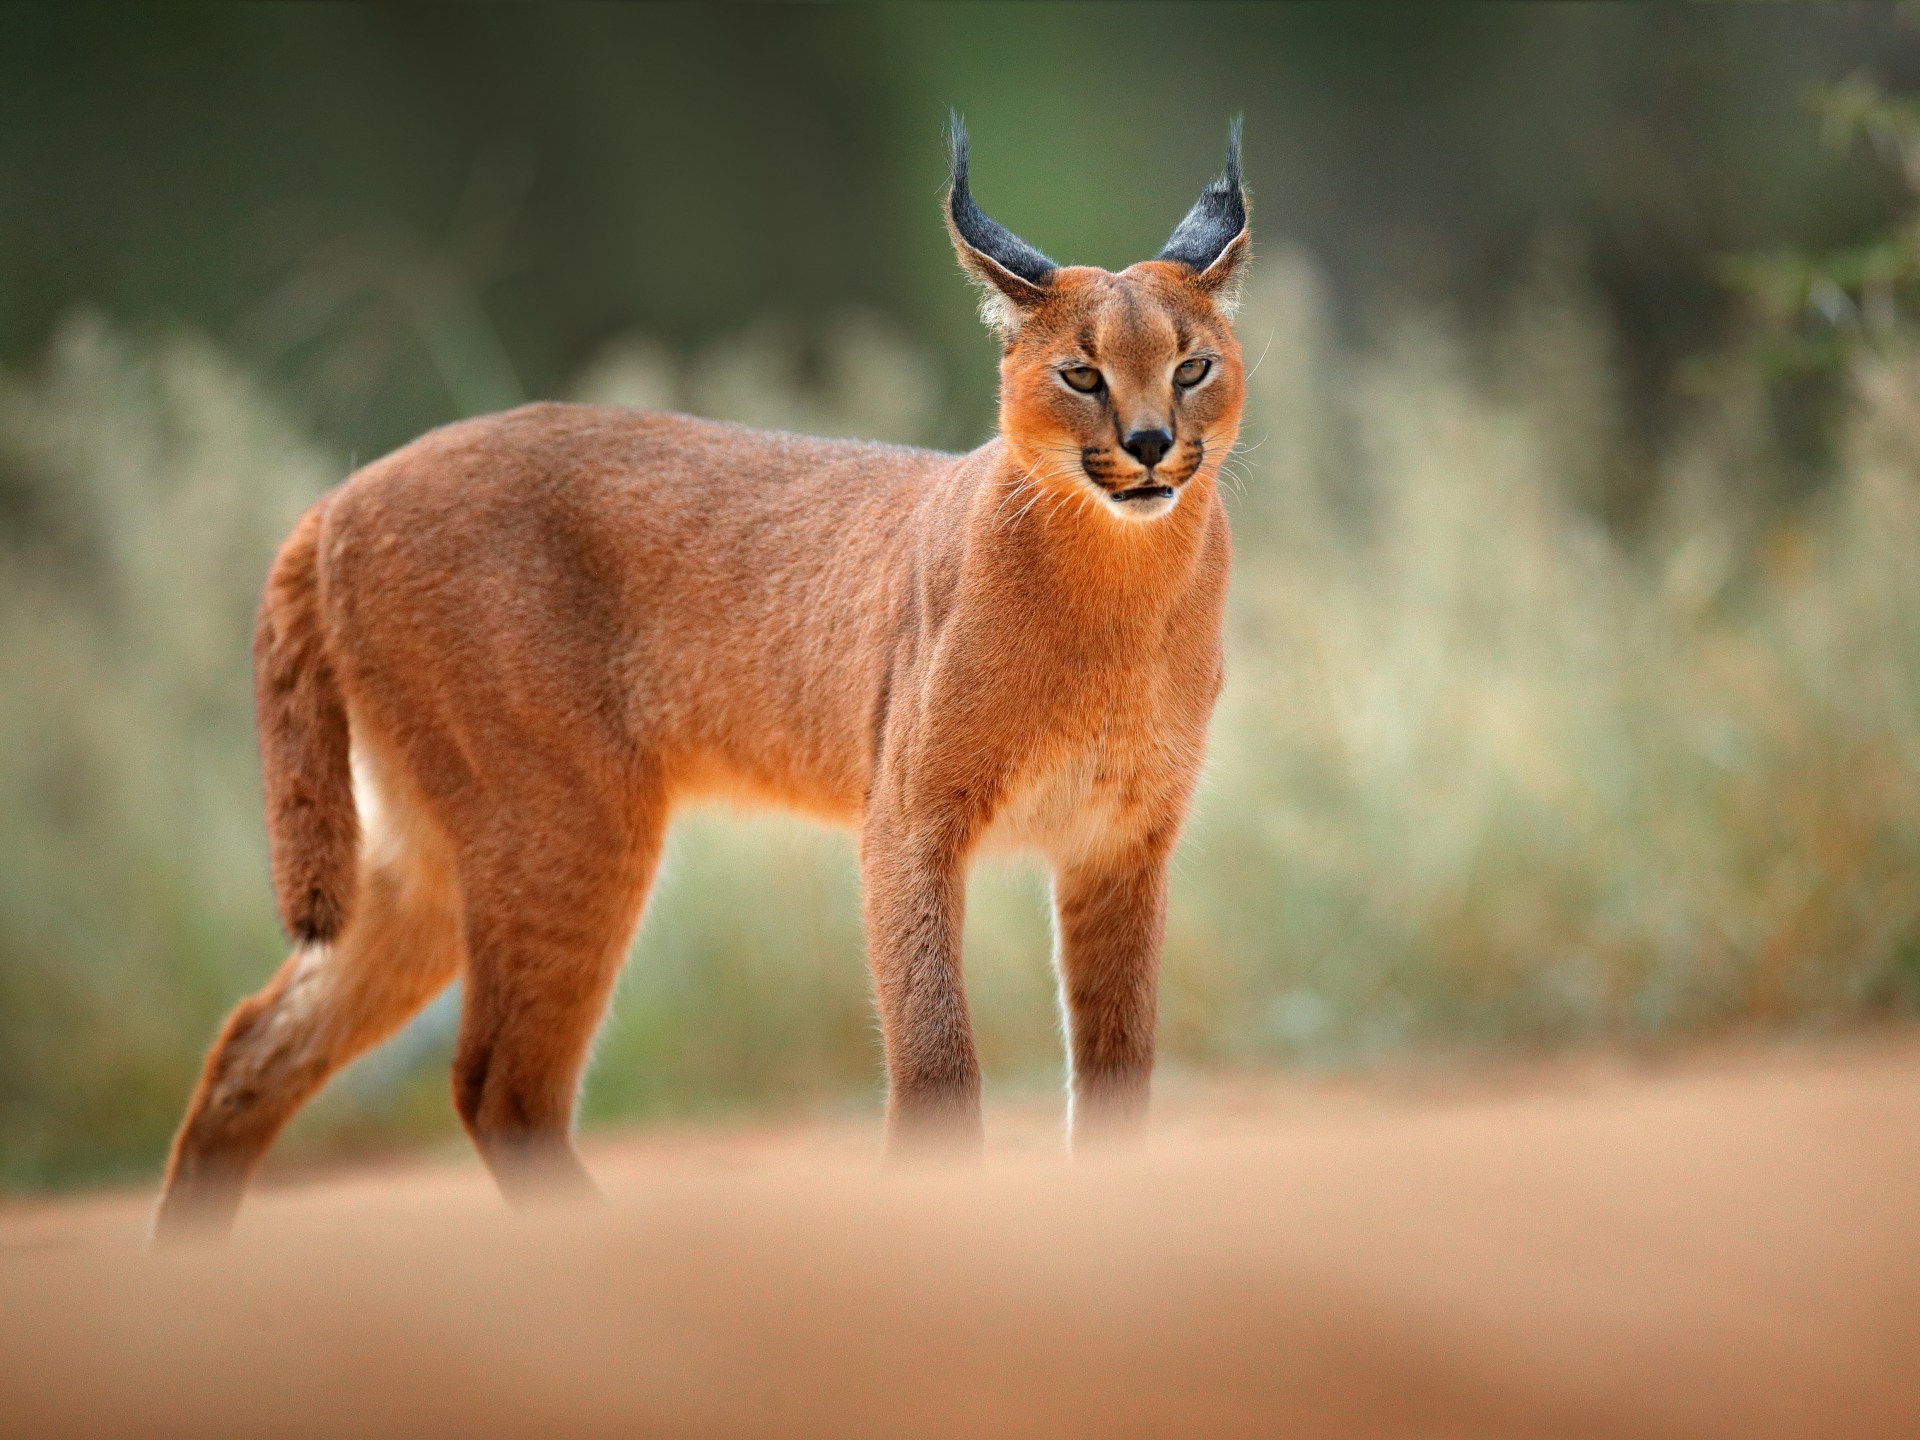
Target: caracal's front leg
(1110,918)
(915,897)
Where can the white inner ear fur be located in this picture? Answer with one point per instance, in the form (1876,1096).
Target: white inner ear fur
(1001,292)
(1225,278)
(997,312)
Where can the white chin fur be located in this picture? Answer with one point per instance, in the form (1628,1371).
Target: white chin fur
(1140,511)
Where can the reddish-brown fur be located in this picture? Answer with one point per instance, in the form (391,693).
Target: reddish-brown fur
(546,630)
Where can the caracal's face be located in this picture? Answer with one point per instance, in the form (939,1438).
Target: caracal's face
(1123,388)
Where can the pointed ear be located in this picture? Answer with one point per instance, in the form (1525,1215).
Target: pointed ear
(1011,274)
(1214,240)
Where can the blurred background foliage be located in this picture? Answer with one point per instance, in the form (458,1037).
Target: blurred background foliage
(1575,638)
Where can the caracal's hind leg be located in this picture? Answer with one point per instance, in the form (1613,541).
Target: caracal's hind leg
(326,1004)
(551,909)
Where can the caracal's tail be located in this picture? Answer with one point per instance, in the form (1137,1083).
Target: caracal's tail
(313,829)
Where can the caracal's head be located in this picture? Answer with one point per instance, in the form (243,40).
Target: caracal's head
(1125,388)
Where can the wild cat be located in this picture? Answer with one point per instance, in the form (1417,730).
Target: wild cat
(490,666)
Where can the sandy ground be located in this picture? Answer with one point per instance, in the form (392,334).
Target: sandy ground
(1723,1247)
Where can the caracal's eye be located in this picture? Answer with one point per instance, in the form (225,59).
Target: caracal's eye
(1083,378)
(1191,372)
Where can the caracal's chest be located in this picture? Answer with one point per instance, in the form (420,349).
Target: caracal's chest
(1086,779)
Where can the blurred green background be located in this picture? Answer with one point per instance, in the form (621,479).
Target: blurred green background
(1575,641)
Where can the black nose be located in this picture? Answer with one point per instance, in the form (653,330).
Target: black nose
(1149,447)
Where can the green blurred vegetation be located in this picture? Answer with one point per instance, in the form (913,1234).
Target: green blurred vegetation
(1575,637)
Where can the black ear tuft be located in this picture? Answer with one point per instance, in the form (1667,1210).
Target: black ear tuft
(1217,218)
(980,233)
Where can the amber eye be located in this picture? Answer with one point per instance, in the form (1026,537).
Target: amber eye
(1083,378)
(1191,372)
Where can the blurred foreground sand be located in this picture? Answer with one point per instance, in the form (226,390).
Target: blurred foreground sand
(1724,1247)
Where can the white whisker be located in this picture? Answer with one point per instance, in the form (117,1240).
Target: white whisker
(1263,353)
